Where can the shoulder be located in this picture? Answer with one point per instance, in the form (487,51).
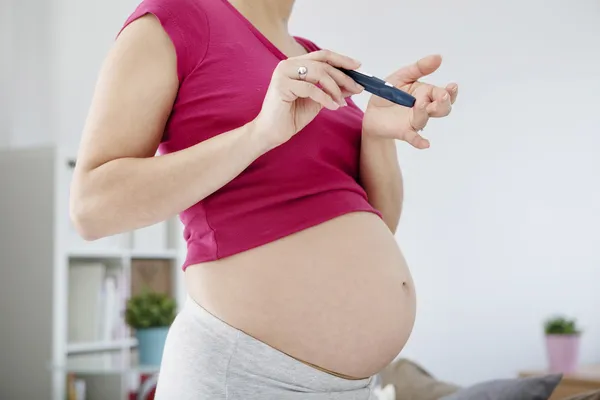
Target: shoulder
(187,16)
(185,22)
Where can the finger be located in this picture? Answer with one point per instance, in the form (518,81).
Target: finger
(419,116)
(306,90)
(347,84)
(418,119)
(414,72)
(330,87)
(453,91)
(436,110)
(442,106)
(439,110)
(438,99)
(439,94)
(332,58)
(417,141)
(426,92)
(317,74)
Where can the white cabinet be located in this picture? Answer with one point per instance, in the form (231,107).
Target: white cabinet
(62,298)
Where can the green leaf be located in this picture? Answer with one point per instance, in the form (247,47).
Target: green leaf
(560,325)
(150,310)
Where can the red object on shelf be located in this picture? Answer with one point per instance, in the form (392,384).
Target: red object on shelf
(147,389)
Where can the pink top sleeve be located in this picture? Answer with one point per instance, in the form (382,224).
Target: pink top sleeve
(186,23)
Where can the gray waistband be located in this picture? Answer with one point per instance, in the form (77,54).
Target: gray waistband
(265,363)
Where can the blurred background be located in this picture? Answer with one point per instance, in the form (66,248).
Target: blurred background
(500,225)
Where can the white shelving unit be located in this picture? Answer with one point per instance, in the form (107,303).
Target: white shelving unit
(39,250)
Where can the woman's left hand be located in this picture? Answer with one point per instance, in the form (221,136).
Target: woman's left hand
(386,119)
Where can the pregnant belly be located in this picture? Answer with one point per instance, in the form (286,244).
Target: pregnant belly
(338,295)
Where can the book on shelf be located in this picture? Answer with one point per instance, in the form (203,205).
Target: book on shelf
(76,388)
(96,302)
(93,387)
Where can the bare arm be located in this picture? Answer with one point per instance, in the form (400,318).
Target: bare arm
(118,184)
(381,177)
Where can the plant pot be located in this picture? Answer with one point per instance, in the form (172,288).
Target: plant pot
(563,353)
(151,343)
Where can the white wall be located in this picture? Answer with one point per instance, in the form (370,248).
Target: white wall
(51,54)
(6,45)
(500,216)
(84,33)
(29,88)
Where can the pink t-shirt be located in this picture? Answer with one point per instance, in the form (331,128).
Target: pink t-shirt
(224,67)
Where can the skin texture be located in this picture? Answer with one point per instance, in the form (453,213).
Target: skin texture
(338,295)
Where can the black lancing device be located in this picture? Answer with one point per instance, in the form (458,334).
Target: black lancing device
(381,88)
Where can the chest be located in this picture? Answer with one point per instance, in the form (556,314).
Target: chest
(228,90)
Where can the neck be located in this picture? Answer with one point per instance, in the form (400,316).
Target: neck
(269,15)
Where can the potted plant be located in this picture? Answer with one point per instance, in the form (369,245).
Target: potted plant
(150,314)
(562,344)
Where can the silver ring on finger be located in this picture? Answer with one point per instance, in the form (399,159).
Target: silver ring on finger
(302,73)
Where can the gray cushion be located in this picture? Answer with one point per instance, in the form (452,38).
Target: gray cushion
(531,388)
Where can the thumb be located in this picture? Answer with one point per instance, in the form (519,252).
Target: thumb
(412,73)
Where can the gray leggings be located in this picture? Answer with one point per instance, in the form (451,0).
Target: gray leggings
(206,359)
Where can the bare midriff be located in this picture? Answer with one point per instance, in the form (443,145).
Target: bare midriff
(337,296)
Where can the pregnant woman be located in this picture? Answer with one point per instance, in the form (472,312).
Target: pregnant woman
(289,194)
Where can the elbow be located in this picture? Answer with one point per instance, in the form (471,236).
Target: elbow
(83,215)
(83,221)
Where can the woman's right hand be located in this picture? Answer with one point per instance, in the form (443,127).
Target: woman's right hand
(293,100)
